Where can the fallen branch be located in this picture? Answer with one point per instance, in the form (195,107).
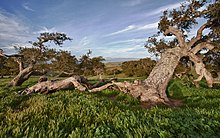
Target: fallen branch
(79,82)
(46,87)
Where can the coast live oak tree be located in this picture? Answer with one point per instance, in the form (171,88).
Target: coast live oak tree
(175,23)
(29,57)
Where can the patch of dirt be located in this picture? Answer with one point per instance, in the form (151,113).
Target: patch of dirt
(175,103)
(113,97)
(147,105)
(172,104)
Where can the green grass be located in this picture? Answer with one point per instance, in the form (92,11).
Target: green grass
(108,114)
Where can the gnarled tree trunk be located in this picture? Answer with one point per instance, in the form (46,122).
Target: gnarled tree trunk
(156,83)
(22,76)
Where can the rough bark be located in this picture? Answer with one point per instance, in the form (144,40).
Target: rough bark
(46,87)
(156,84)
(201,70)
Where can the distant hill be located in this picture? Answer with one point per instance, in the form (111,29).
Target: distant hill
(109,59)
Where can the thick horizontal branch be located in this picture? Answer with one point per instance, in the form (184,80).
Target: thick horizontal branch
(52,86)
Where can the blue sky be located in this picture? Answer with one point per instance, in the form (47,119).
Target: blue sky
(110,28)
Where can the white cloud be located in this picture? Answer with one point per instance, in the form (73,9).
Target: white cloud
(11,29)
(129,41)
(137,51)
(84,41)
(128,28)
(163,8)
(80,44)
(126,48)
(148,26)
(133,2)
(26,7)
(45,29)
(134,28)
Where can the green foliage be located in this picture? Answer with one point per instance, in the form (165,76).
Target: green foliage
(113,68)
(184,17)
(178,89)
(56,38)
(107,114)
(91,66)
(175,90)
(8,66)
(53,62)
(64,62)
(138,68)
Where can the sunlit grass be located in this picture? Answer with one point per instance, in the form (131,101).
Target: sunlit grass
(108,114)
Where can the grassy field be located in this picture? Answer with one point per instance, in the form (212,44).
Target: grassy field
(108,114)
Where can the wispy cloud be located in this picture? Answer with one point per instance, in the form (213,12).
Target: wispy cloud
(44,29)
(137,51)
(128,28)
(148,26)
(12,30)
(27,7)
(84,41)
(129,41)
(134,28)
(80,44)
(133,2)
(163,8)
